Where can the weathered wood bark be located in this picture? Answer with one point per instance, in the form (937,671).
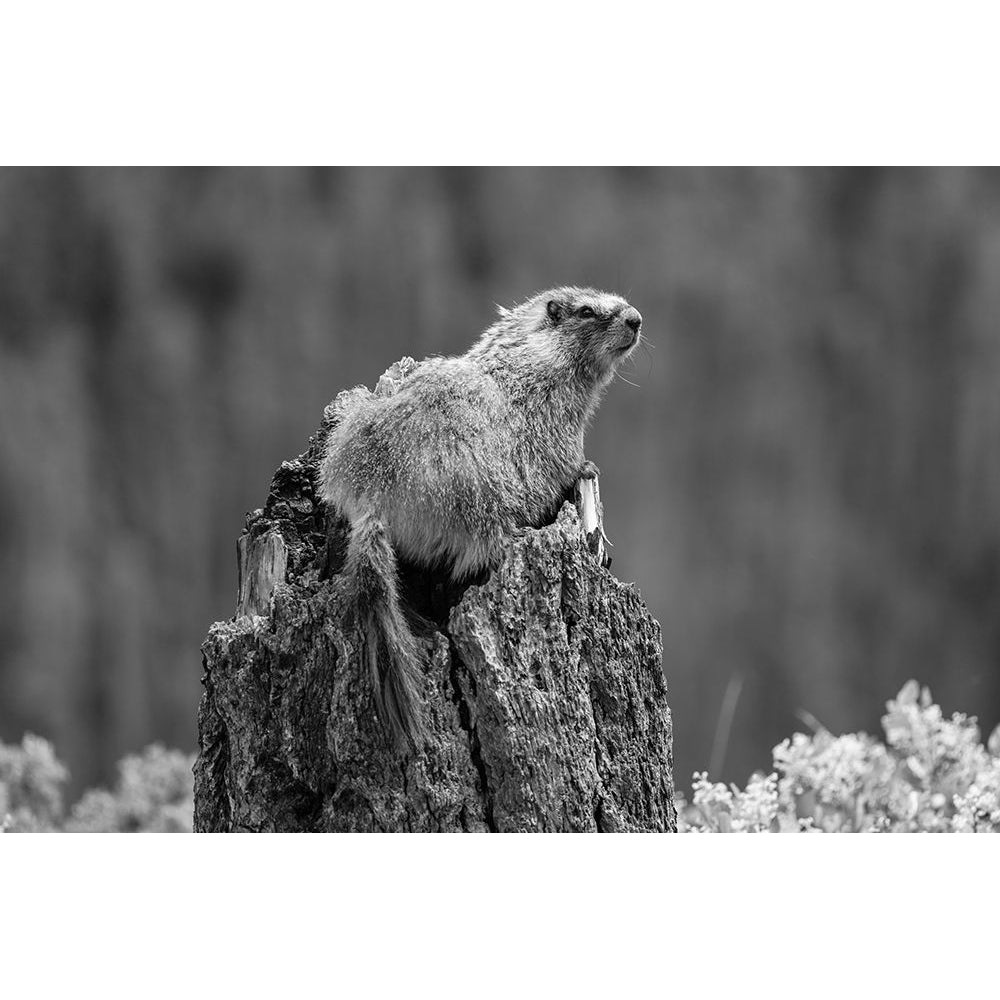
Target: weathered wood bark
(544,697)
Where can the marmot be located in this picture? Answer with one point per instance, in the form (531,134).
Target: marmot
(470,450)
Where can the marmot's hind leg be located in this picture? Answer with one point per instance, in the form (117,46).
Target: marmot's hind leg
(480,556)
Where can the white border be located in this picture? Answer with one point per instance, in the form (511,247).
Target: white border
(357,915)
(542,82)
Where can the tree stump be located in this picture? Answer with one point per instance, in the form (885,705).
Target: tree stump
(544,698)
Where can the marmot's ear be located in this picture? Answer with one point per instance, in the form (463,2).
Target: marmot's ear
(554,310)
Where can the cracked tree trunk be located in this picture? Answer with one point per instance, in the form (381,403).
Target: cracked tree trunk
(544,698)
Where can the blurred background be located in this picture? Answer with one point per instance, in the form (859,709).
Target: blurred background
(805,485)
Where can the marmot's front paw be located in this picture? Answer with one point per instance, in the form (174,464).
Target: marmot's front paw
(589,471)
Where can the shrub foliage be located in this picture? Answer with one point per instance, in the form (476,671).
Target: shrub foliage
(153,793)
(930,774)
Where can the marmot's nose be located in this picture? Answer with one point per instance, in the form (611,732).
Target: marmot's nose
(632,318)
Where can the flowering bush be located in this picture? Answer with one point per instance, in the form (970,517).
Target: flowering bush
(930,774)
(154,792)
(31,780)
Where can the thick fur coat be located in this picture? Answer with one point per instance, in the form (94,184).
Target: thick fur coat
(470,450)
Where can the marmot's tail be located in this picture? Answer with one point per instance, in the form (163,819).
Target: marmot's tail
(392,653)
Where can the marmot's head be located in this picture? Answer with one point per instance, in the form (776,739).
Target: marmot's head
(601,326)
(581,327)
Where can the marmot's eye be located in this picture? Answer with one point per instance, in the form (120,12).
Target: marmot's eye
(586,313)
